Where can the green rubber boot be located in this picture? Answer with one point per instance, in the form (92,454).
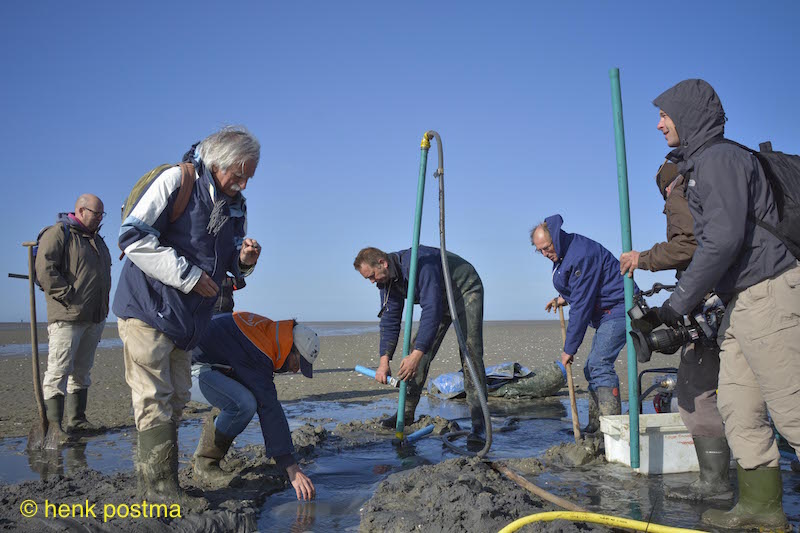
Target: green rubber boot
(211,448)
(75,406)
(714,458)
(760,503)
(54,409)
(157,469)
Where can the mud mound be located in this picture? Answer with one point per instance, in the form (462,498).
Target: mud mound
(456,495)
(571,454)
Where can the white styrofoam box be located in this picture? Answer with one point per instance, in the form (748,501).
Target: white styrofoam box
(665,445)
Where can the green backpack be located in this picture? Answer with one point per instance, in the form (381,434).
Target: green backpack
(184,193)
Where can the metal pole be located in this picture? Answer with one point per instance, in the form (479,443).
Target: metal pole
(412,277)
(625,221)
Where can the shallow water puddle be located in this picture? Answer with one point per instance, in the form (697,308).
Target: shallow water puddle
(347,475)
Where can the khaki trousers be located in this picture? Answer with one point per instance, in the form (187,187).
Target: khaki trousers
(760,369)
(70,356)
(158,373)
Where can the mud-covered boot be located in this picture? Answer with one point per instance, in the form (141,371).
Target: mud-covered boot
(54,410)
(760,503)
(157,469)
(211,449)
(594,415)
(608,403)
(714,458)
(75,406)
(408,413)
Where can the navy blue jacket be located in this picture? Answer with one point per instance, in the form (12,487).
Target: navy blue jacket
(429,294)
(165,260)
(587,276)
(224,343)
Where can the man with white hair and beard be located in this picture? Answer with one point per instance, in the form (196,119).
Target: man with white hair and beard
(168,287)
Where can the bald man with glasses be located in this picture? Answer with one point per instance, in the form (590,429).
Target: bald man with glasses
(73,266)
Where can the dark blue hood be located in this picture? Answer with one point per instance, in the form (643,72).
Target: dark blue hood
(561,239)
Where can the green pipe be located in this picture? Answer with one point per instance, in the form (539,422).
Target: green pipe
(412,278)
(625,221)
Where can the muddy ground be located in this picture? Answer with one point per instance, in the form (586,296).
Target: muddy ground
(462,494)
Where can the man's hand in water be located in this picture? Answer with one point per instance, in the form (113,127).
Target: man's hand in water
(302,485)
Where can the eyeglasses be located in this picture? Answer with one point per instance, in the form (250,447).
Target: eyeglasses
(548,248)
(97,213)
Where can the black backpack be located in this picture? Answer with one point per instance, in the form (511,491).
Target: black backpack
(783,174)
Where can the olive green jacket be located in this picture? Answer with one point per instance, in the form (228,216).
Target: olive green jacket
(76,279)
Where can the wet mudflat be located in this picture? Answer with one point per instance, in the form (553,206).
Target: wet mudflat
(364,482)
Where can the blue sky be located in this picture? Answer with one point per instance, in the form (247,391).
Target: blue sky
(94,94)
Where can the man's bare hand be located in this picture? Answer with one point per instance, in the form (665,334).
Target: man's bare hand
(250,252)
(205,286)
(555,303)
(628,262)
(408,368)
(566,359)
(384,370)
(303,486)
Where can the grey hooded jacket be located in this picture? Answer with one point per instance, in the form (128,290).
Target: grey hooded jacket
(725,184)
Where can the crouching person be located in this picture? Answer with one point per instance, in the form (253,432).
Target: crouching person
(234,366)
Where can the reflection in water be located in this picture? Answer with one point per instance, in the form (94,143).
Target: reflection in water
(69,458)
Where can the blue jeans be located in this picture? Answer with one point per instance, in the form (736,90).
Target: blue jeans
(608,340)
(236,403)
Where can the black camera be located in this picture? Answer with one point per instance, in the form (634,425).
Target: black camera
(650,335)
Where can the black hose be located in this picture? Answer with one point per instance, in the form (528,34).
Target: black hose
(451,302)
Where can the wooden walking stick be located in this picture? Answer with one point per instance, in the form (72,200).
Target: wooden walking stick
(37,438)
(576,430)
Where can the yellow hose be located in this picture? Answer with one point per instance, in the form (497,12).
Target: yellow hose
(594,518)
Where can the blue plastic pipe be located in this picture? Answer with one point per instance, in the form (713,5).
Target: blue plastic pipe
(427,430)
(394,382)
(625,221)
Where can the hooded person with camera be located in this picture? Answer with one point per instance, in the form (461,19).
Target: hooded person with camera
(699,367)
(759,280)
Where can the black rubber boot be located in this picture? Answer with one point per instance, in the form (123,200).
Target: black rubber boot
(594,415)
(714,457)
(157,469)
(760,503)
(408,411)
(54,409)
(476,439)
(211,449)
(76,412)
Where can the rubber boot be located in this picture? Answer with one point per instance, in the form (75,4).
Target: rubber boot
(409,410)
(54,409)
(157,468)
(211,449)
(76,412)
(476,439)
(714,458)
(594,415)
(760,503)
